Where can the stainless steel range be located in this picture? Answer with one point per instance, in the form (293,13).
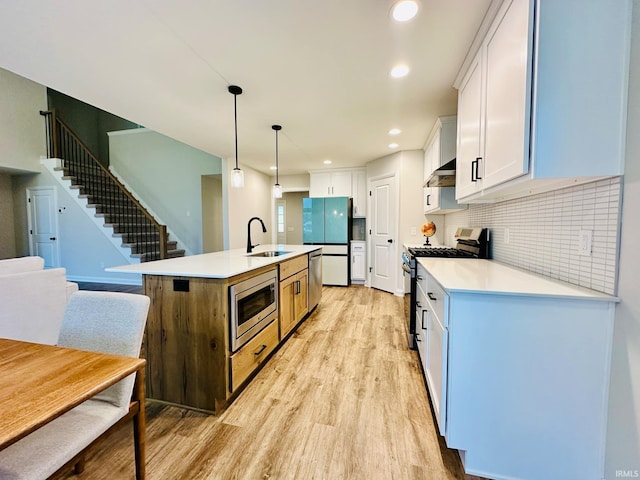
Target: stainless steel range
(472,242)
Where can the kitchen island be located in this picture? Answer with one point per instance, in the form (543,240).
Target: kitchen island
(517,367)
(193,358)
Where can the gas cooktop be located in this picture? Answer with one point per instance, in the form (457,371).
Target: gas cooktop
(471,243)
(441,252)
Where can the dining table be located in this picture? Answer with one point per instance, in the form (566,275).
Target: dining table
(38,383)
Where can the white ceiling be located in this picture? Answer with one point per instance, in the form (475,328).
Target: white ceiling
(319,68)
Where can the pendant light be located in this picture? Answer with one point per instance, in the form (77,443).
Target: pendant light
(277,189)
(237,175)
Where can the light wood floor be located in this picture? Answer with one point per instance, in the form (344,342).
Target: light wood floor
(344,398)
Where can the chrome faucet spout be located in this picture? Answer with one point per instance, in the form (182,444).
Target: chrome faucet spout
(264,230)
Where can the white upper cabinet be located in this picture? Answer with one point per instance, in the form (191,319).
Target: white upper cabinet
(440,149)
(468,174)
(359,192)
(335,183)
(541,105)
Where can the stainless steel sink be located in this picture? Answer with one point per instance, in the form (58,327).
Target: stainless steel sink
(270,253)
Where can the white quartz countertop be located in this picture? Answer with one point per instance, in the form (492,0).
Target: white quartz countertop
(223,264)
(490,277)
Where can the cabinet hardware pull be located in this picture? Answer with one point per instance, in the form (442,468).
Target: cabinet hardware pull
(473,170)
(431,297)
(423,312)
(417,338)
(418,277)
(418,305)
(428,202)
(262,349)
(477,166)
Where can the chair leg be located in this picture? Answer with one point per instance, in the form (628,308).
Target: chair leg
(139,426)
(78,468)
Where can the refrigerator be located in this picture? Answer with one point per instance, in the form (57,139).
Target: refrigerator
(327,222)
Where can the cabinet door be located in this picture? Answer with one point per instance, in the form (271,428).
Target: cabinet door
(431,199)
(357,266)
(468,167)
(287,305)
(508,73)
(422,333)
(437,367)
(301,295)
(320,184)
(359,191)
(341,184)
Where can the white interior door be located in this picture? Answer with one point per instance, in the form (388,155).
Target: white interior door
(384,226)
(43,225)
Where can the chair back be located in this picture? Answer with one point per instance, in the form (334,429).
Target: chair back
(106,322)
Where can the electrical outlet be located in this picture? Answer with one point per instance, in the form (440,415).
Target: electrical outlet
(585,239)
(507,236)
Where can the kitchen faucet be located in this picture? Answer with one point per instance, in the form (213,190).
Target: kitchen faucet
(264,230)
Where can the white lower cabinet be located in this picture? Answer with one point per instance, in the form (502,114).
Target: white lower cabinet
(358,261)
(431,338)
(421,336)
(519,381)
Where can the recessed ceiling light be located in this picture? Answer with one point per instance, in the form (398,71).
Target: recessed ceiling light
(399,71)
(395,131)
(327,162)
(273,167)
(404,10)
(393,145)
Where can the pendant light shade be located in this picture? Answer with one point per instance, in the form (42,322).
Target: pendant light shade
(237,175)
(277,189)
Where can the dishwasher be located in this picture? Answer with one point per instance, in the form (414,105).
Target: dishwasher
(315,278)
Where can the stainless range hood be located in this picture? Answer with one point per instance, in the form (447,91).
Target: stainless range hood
(445,176)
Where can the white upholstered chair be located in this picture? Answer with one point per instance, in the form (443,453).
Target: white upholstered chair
(104,322)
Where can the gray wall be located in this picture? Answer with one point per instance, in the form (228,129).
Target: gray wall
(254,200)
(89,123)
(166,175)
(7,229)
(22,129)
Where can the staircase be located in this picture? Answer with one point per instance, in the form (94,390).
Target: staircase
(131,222)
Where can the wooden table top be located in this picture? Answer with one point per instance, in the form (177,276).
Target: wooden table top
(38,383)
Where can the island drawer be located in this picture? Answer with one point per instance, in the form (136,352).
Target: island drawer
(290,267)
(250,356)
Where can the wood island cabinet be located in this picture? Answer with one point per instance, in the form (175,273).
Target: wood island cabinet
(293,293)
(187,341)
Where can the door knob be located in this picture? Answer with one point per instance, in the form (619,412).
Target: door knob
(390,240)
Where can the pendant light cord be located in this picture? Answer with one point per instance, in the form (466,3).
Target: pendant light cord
(235,121)
(277,169)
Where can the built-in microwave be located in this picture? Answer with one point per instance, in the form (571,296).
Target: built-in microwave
(253,304)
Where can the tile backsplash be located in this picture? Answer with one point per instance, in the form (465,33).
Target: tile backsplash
(541,233)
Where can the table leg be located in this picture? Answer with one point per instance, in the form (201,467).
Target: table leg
(139,425)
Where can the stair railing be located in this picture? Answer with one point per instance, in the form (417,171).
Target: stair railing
(105,190)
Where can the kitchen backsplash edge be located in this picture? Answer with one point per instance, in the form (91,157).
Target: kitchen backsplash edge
(541,233)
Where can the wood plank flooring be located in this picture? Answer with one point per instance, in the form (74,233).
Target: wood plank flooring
(344,398)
